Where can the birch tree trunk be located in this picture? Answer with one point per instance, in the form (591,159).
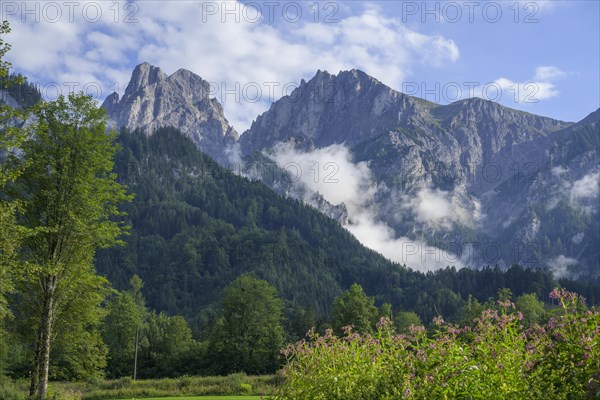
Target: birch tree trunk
(35,373)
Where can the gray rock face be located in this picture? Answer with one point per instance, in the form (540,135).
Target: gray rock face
(152,100)
(7,99)
(518,188)
(494,166)
(347,108)
(357,110)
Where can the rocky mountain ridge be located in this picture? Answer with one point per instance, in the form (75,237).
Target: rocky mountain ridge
(505,178)
(152,100)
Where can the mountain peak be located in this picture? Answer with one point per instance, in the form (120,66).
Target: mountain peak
(183,73)
(356,73)
(191,86)
(153,100)
(349,107)
(345,75)
(322,73)
(143,75)
(111,102)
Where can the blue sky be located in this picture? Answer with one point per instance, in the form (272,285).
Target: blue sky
(542,57)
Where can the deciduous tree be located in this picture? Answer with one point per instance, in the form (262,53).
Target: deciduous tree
(354,308)
(119,332)
(250,333)
(405,319)
(71,200)
(11,167)
(532,308)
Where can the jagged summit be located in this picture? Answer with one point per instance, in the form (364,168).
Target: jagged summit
(493,167)
(352,107)
(144,75)
(345,108)
(153,99)
(346,79)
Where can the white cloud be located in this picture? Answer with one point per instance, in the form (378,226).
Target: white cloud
(587,187)
(415,254)
(548,73)
(559,171)
(183,34)
(432,205)
(560,266)
(331,172)
(541,87)
(582,192)
(442,209)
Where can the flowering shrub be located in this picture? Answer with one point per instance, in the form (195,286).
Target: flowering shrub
(495,358)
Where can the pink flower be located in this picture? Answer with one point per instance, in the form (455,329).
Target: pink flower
(555,293)
(519,316)
(347,330)
(383,323)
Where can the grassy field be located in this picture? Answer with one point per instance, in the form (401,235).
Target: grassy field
(231,387)
(204,398)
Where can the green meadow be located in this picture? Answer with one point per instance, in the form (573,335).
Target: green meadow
(204,398)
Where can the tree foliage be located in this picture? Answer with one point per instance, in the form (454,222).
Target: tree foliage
(354,308)
(532,308)
(403,320)
(70,200)
(24,93)
(196,227)
(123,321)
(249,334)
(11,233)
(166,347)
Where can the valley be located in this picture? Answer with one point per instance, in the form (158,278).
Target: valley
(168,230)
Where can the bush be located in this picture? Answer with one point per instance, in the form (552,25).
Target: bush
(184,382)
(56,393)
(496,358)
(234,384)
(123,382)
(246,388)
(8,391)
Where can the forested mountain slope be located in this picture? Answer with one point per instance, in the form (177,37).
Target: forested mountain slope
(498,185)
(520,183)
(197,226)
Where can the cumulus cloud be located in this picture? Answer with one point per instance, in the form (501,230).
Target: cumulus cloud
(233,45)
(331,172)
(541,87)
(548,73)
